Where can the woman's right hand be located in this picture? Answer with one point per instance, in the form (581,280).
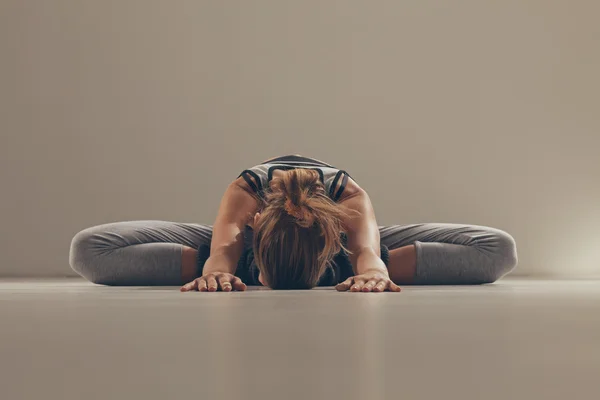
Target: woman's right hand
(213,281)
(214,277)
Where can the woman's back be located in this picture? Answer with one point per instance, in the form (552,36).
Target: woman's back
(259,177)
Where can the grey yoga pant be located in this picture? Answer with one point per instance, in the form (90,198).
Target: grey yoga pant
(149,252)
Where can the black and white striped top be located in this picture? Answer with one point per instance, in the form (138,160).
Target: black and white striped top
(259,176)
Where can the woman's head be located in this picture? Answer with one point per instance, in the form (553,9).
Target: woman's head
(297,233)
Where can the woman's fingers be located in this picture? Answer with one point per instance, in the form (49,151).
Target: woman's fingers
(197,284)
(238,284)
(224,282)
(370,285)
(380,287)
(393,287)
(366,283)
(358,285)
(193,285)
(343,286)
(211,283)
(201,284)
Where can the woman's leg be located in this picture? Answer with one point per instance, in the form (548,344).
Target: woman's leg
(438,254)
(138,252)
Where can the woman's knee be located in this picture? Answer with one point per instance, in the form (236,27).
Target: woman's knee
(84,254)
(503,256)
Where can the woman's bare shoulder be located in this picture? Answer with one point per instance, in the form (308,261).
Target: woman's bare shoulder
(352,189)
(241,182)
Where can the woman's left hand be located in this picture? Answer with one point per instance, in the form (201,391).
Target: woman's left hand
(369,281)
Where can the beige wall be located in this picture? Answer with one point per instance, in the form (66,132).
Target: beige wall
(482,112)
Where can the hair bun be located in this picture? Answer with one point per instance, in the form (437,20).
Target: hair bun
(301,213)
(293,209)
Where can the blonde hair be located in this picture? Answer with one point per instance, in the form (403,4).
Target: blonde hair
(298,232)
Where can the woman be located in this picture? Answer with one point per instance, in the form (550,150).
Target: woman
(292,222)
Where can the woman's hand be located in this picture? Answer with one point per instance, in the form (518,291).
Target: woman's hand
(213,281)
(369,281)
(215,276)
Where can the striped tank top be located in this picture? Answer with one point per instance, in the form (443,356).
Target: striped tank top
(259,176)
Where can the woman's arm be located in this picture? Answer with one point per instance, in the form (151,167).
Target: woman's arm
(227,244)
(363,233)
(371,273)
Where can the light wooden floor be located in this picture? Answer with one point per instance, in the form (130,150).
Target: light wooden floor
(517,339)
